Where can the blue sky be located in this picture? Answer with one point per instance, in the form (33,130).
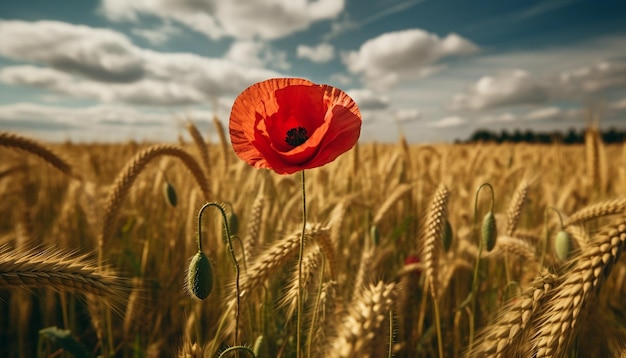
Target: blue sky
(113,70)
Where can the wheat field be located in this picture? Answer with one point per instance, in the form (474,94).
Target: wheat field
(464,250)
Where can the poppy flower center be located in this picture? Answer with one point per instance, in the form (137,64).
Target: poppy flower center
(296,136)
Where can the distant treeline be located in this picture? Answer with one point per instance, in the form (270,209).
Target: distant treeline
(572,136)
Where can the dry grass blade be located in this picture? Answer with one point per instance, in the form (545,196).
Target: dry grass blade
(12,140)
(60,271)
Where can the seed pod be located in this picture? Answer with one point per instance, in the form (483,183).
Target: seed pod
(233,223)
(170,194)
(447,235)
(489,232)
(200,276)
(562,245)
(257,345)
(375,235)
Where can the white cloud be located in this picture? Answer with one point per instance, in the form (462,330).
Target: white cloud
(34,76)
(242,19)
(519,87)
(104,65)
(257,54)
(103,122)
(500,118)
(158,35)
(507,88)
(143,92)
(544,113)
(341,78)
(245,52)
(407,115)
(321,53)
(553,113)
(99,54)
(80,116)
(390,57)
(447,122)
(619,105)
(368,100)
(597,77)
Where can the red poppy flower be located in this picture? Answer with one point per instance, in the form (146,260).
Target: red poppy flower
(290,124)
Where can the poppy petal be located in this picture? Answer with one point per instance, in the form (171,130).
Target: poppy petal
(290,124)
(256,100)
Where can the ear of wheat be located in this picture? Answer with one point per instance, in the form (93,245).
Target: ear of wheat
(60,271)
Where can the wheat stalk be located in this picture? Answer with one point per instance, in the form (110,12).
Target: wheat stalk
(60,271)
(310,263)
(507,333)
(12,140)
(267,263)
(323,319)
(201,145)
(507,244)
(514,211)
(592,150)
(254,226)
(434,231)
(605,208)
(362,328)
(129,173)
(557,324)
(223,142)
(276,255)
(395,195)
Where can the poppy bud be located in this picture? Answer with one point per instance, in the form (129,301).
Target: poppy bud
(414,260)
(562,245)
(200,276)
(233,224)
(489,231)
(375,235)
(170,194)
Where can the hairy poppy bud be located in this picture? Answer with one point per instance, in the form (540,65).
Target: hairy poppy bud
(200,276)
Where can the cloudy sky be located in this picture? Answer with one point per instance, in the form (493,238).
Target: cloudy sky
(435,69)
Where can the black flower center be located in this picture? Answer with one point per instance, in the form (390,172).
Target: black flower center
(296,136)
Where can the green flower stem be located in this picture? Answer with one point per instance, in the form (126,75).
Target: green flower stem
(475,279)
(390,333)
(300,255)
(231,251)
